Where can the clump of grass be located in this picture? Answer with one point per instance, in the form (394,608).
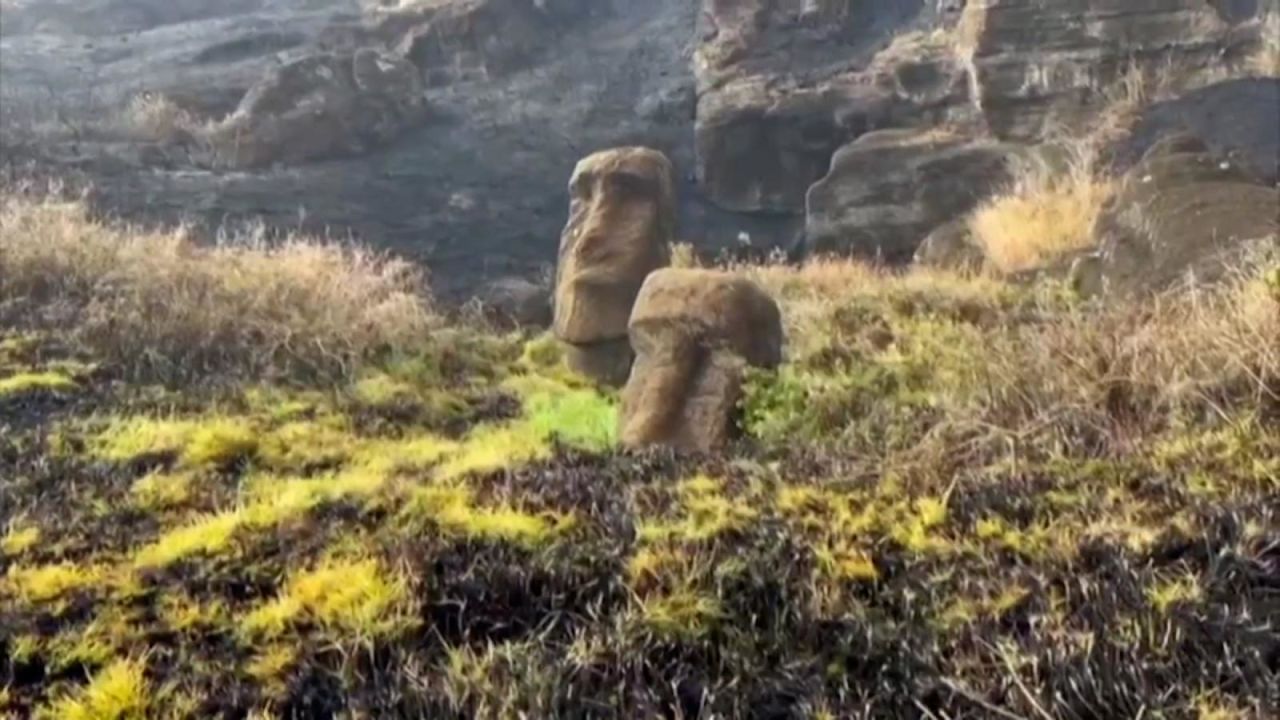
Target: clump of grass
(308,444)
(207,534)
(452,508)
(682,615)
(1265,60)
(357,599)
(156,118)
(44,583)
(1045,214)
(119,691)
(219,442)
(132,438)
(1166,594)
(157,302)
(706,513)
(30,382)
(162,490)
(19,538)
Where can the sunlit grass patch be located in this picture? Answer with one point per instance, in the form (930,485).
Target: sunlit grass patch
(44,583)
(578,417)
(211,534)
(220,441)
(1166,594)
(681,615)
(270,665)
(451,507)
(304,445)
(182,613)
(489,448)
(163,490)
(18,538)
(119,691)
(29,382)
(412,453)
(706,513)
(357,599)
(131,438)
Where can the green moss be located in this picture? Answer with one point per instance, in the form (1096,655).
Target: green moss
(578,417)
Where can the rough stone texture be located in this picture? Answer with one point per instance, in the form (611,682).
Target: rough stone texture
(517,302)
(782,84)
(621,226)
(1237,120)
(694,333)
(1037,63)
(1181,211)
(950,247)
(323,106)
(749,98)
(888,189)
(473,190)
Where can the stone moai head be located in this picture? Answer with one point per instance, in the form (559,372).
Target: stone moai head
(621,224)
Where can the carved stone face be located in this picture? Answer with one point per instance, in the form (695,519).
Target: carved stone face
(621,222)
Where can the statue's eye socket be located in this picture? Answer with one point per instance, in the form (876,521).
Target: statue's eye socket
(581,186)
(629,184)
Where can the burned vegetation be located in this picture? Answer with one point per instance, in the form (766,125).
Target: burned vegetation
(956,498)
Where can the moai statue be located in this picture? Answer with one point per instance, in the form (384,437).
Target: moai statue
(695,333)
(621,223)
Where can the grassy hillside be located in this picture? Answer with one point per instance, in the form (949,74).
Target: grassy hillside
(275,481)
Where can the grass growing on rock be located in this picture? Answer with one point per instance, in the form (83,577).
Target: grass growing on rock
(957,494)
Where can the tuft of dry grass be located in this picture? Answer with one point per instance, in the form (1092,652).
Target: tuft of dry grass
(1045,214)
(1265,61)
(156,118)
(157,302)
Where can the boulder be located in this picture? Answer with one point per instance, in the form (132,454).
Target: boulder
(783,84)
(886,191)
(1037,64)
(621,225)
(321,106)
(517,302)
(950,247)
(479,39)
(695,332)
(1237,120)
(1179,211)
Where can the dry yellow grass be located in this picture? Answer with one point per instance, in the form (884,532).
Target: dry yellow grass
(1045,214)
(1265,61)
(159,302)
(156,118)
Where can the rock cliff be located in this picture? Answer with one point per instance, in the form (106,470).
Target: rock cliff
(443,129)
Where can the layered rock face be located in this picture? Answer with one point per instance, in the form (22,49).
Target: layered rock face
(786,86)
(322,106)
(695,332)
(770,110)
